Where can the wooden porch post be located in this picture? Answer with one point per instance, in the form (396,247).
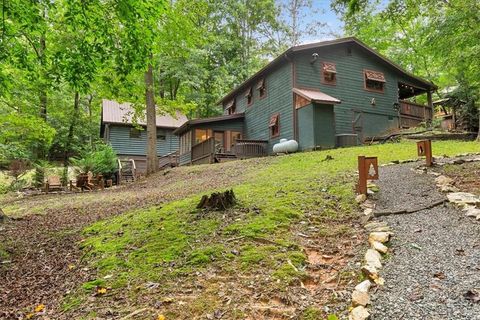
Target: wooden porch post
(430,103)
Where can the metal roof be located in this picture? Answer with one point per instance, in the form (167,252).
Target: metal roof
(316,96)
(286,55)
(122,113)
(190,123)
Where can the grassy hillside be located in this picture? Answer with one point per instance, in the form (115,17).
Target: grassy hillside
(183,262)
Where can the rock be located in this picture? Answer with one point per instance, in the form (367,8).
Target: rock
(359,313)
(368,212)
(368,204)
(373,187)
(373,257)
(379,236)
(375,225)
(380,281)
(380,247)
(471,211)
(370,272)
(360,198)
(363,286)
(360,298)
(463,198)
(443,180)
(448,188)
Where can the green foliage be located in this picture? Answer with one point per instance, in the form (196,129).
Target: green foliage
(22,136)
(312,313)
(101,161)
(39,174)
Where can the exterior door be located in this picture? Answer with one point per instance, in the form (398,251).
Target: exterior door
(357,125)
(219,141)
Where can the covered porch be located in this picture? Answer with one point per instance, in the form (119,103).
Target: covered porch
(217,139)
(411,113)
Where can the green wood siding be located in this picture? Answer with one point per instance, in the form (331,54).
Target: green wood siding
(233,125)
(119,138)
(316,127)
(350,87)
(278,99)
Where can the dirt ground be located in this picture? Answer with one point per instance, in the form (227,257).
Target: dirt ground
(43,262)
(41,246)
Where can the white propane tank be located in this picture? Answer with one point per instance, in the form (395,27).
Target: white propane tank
(285,146)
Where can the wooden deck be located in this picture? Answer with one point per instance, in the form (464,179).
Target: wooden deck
(206,152)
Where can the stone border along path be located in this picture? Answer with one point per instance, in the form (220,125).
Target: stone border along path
(432,270)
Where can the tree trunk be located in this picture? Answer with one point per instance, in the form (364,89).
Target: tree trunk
(90,116)
(71,130)
(43,85)
(151,122)
(478,136)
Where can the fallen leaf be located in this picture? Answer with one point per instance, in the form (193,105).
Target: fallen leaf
(39,308)
(29,316)
(101,290)
(472,295)
(439,275)
(161,317)
(71,267)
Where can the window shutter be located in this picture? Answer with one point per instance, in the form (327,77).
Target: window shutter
(261,84)
(273,120)
(374,76)
(329,67)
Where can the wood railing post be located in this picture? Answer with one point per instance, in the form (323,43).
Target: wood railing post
(362,176)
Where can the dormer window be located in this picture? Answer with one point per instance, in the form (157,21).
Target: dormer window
(374,81)
(329,73)
(231,107)
(262,89)
(249,96)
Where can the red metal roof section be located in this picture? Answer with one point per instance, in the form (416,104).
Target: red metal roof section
(316,96)
(122,113)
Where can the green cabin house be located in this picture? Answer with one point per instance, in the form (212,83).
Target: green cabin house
(323,95)
(129,138)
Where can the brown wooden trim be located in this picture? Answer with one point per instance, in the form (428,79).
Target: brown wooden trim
(369,89)
(260,97)
(277,114)
(322,75)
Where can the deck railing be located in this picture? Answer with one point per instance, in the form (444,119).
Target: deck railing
(411,114)
(204,151)
(250,148)
(415,110)
(167,160)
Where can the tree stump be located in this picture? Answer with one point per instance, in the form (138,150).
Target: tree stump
(217,201)
(3,216)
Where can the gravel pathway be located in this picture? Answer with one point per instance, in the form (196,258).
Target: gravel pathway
(436,253)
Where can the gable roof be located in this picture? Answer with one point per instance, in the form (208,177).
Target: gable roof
(122,113)
(286,56)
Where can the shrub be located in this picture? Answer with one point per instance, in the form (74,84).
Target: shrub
(39,174)
(101,161)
